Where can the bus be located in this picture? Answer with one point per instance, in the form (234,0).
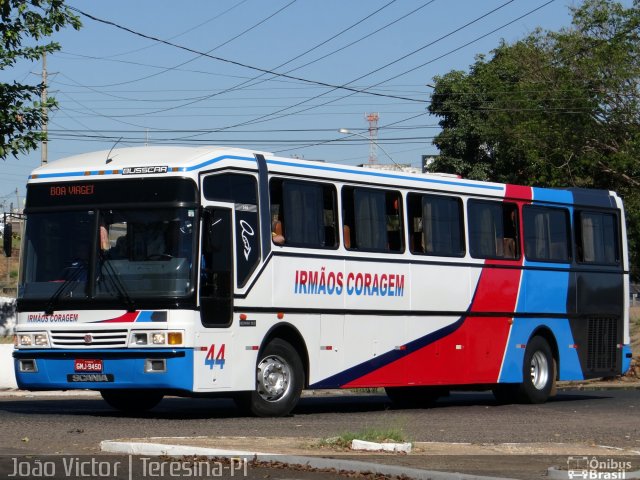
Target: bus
(212,271)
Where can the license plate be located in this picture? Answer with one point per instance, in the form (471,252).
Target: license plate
(84,365)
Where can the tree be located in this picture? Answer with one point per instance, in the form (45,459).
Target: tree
(25,23)
(554,109)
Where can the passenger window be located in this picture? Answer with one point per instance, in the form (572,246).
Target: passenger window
(435,224)
(303,214)
(231,187)
(372,220)
(493,230)
(241,190)
(546,234)
(597,238)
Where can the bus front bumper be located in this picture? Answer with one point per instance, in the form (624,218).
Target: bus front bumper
(170,369)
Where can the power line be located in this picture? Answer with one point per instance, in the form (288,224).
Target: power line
(201,54)
(249,80)
(244,85)
(268,117)
(234,62)
(189,30)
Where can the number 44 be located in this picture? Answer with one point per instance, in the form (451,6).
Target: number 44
(214,358)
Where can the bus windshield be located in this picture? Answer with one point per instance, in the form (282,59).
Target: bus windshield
(120,254)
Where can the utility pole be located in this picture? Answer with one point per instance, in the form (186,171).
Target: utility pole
(372,118)
(45,114)
(18,199)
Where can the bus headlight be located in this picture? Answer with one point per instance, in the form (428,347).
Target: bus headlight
(156,338)
(140,338)
(35,339)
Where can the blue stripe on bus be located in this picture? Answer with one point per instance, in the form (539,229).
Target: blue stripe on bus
(69,174)
(216,160)
(544,291)
(521,331)
(325,168)
(542,195)
(128,372)
(626,358)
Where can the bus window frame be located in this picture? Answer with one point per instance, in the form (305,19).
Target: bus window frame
(461,223)
(348,189)
(577,228)
(517,229)
(568,237)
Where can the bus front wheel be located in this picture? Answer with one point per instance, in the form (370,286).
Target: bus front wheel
(279,381)
(132,401)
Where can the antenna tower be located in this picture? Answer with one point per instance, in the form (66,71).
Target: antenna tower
(372,118)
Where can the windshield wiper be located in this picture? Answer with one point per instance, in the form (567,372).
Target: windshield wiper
(48,308)
(117,284)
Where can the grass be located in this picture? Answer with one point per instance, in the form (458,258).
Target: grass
(7,339)
(378,435)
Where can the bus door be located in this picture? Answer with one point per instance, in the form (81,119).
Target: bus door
(212,343)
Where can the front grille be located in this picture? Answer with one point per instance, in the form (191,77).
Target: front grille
(89,338)
(602,344)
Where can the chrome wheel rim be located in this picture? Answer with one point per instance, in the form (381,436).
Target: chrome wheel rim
(274,378)
(539,370)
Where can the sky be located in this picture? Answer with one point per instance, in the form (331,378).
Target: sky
(209,82)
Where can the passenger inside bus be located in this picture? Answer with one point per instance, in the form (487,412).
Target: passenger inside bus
(276,233)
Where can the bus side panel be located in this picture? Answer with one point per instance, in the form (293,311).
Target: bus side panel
(599,326)
(454,351)
(214,358)
(522,331)
(545,290)
(329,358)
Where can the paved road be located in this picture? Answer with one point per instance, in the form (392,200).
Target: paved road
(74,425)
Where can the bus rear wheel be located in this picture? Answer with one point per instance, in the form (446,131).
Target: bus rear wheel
(132,401)
(279,382)
(538,372)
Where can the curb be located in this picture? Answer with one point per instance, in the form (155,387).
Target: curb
(159,449)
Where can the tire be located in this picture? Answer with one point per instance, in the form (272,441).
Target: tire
(279,382)
(538,372)
(415,397)
(132,401)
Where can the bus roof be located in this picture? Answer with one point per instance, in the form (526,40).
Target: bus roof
(189,161)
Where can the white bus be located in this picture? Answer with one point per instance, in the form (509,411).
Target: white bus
(157,271)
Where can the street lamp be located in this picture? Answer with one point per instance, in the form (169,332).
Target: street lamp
(346,131)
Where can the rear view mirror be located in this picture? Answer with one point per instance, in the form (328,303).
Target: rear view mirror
(7,239)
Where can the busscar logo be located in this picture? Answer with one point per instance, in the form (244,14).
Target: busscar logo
(145,170)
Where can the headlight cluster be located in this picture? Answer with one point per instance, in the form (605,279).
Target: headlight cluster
(155,339)
(31,340)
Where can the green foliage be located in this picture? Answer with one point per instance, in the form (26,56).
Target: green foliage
(555,109)
(25,23)
(378,435)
